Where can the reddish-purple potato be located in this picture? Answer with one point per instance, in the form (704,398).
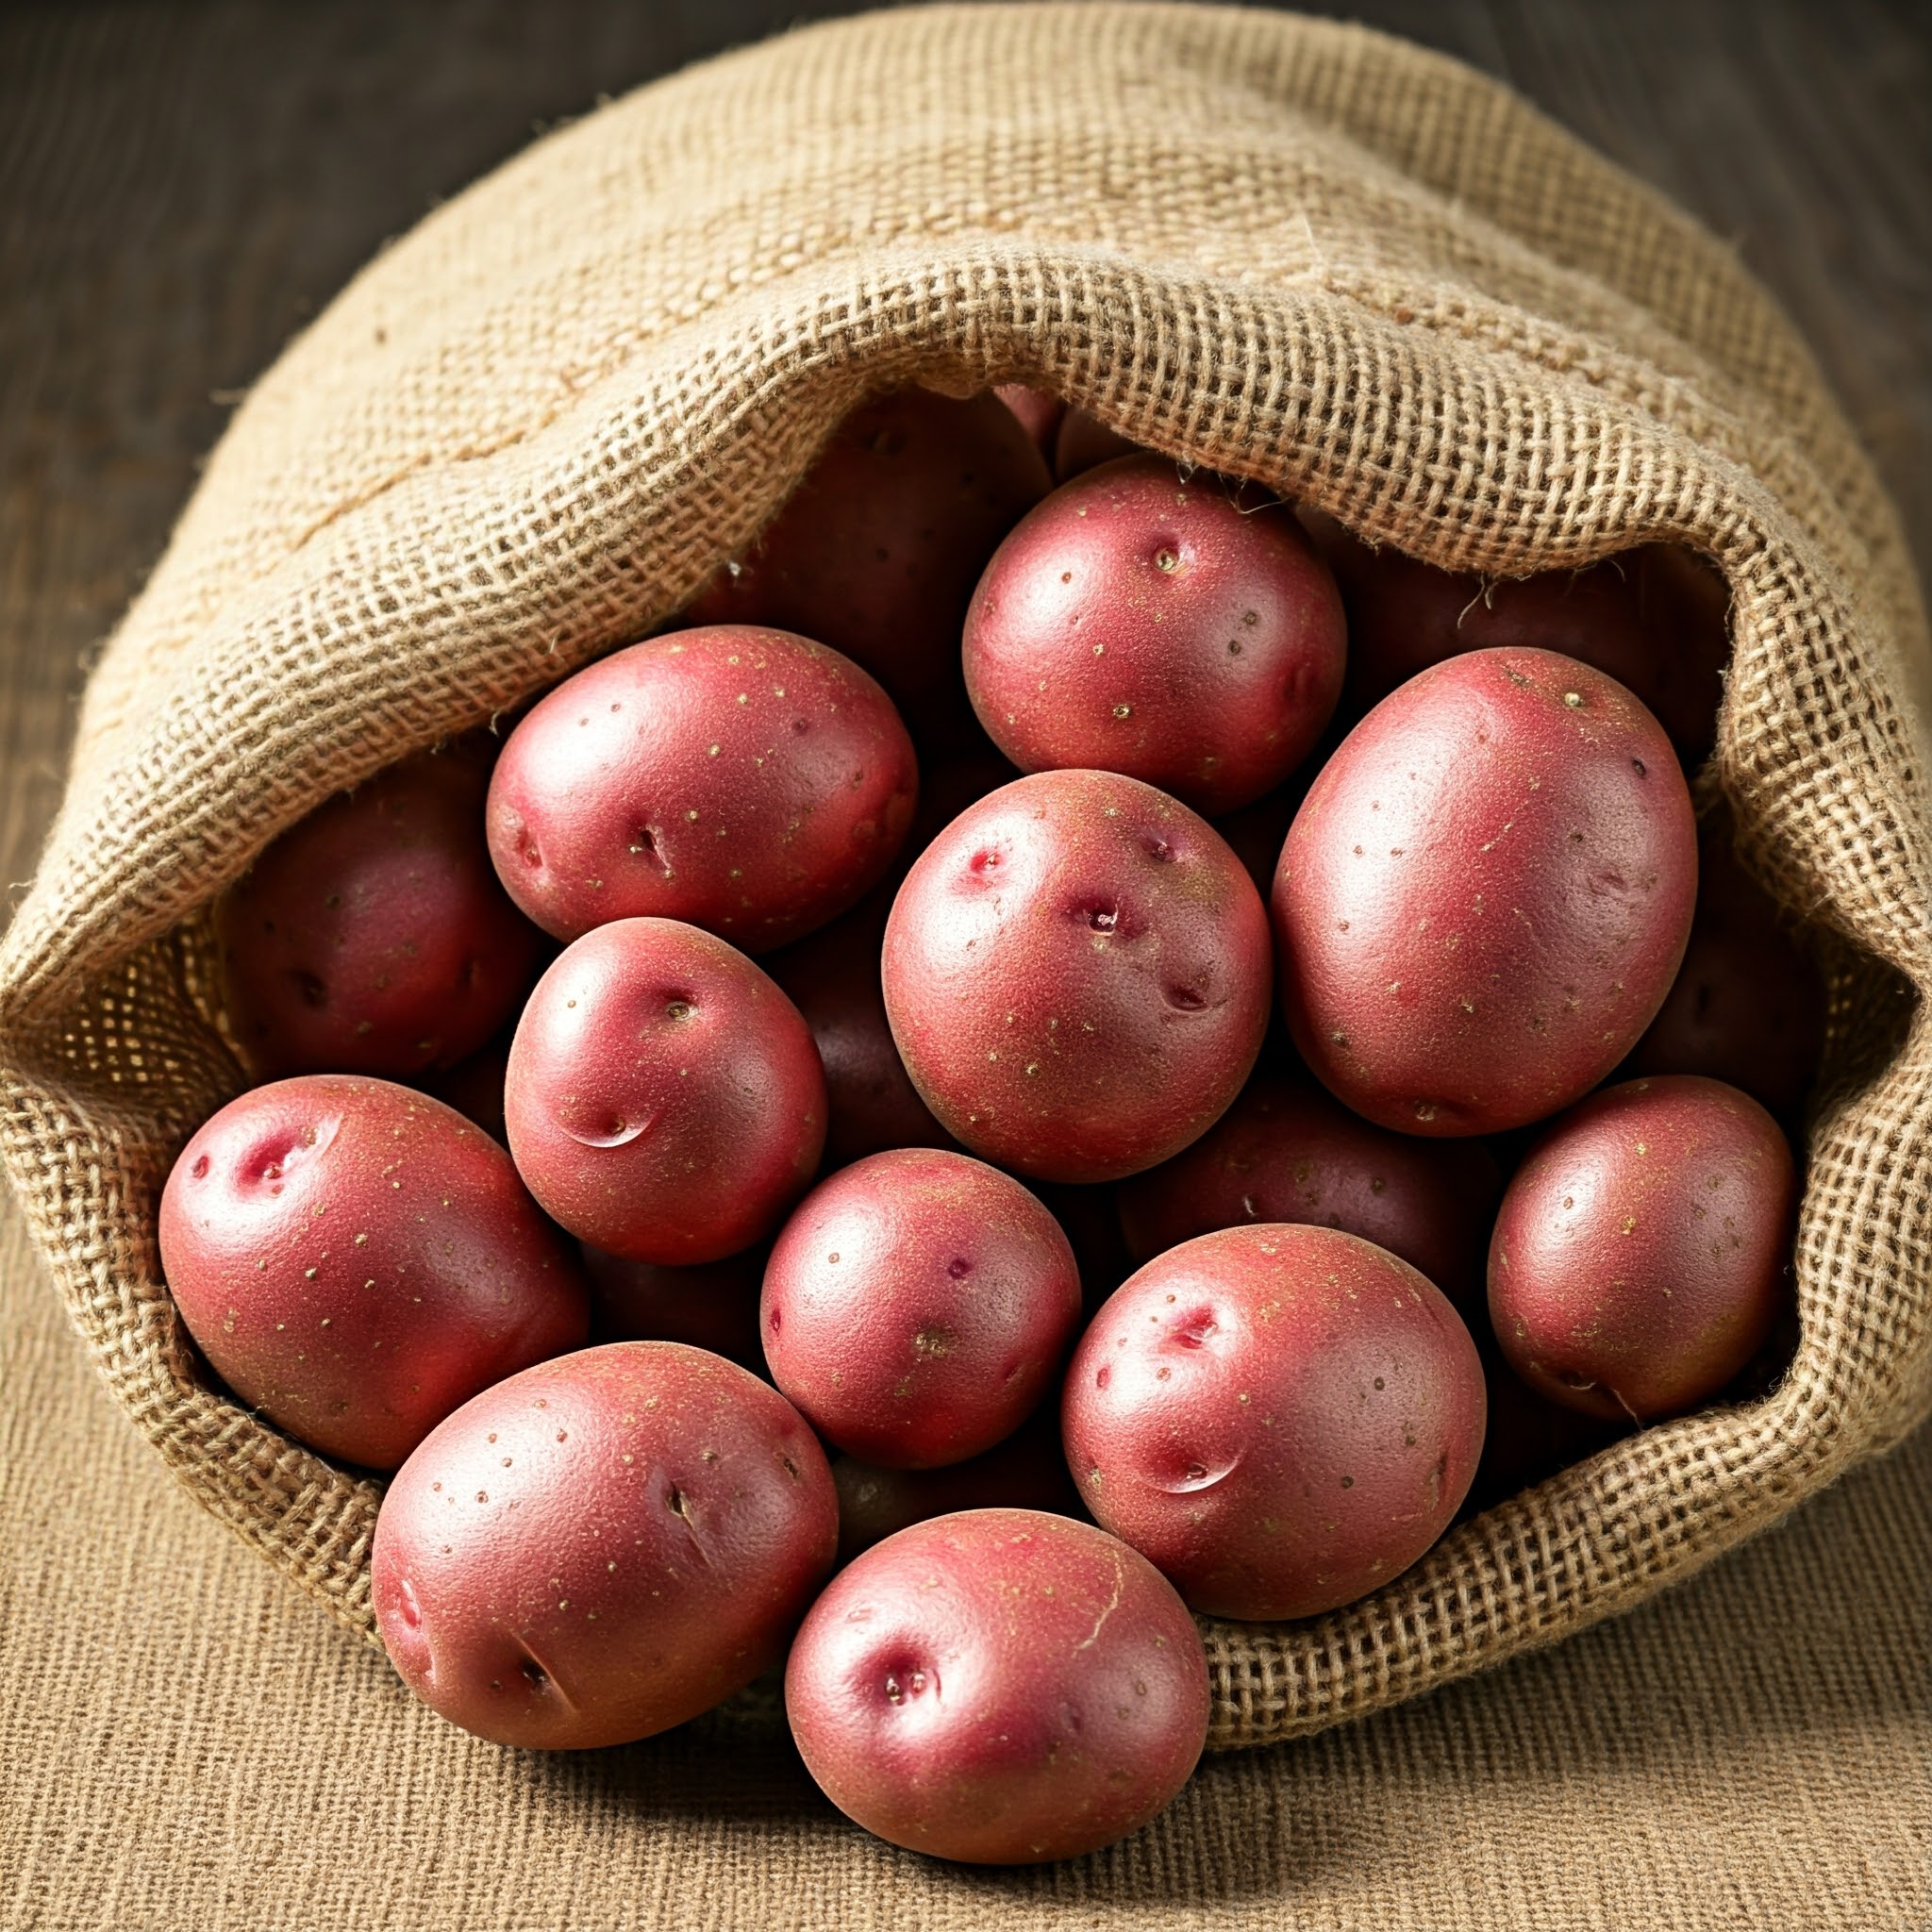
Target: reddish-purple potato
(1484,895)
(1644,1249)
(664,1100)
(356,1259)
(833,979)
(917,1305)
(713,1306)
(602,1547)
(744,780)
(1288,1151)
(1185,632)
(1039,413)
(1001,1687)
(1027,1470)
(1076,975)
(1654,619)
(1280,1418)
(1747,1007)
(1084,442)
(877,550)
(373,937)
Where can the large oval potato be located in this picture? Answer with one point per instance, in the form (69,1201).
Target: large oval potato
(1279,1417)
(356,1259)
(917,1307)
(1183,630)
(878,548)
(1000,1686)
(1076,975)
(1484,895)
(1644,1249)
(602,1546)
(373,937)
(663,1099)
(1288,1151)
(741,779)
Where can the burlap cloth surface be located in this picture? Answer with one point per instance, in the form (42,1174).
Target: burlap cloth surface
(527,431)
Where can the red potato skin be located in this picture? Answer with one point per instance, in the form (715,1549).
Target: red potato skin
(877,550)
(664,1100)
(1084,442)
(1288,1151)
(356,1260)
(1486,894)
(1025,1472)
(1075,973)
(1642,1251)
(917,1305)
(1184,631)
(1747,1007)
(713,1306)
(373,937)
(1529,1438)
(999,1687)
(741,779)
(1655,619)
(1280,1418)
(1039,412)
(602,1547)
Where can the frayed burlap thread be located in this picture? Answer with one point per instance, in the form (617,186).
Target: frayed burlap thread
(1298,251)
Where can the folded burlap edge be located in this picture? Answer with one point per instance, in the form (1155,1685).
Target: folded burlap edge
(108,1058)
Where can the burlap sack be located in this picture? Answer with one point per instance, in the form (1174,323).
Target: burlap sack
(1297,251)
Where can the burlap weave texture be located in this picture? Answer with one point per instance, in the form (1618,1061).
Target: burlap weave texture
(1300,252)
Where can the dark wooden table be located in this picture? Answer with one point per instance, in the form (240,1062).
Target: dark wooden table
(183,185)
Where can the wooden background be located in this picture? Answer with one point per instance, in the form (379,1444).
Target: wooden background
(181,187)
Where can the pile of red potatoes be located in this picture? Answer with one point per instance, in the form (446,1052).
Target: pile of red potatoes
(1071,1046)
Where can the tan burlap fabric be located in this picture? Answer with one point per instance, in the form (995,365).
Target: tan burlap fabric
(1296,251)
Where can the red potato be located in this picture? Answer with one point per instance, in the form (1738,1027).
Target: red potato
(877,550)
(664,1100)
(1529,1439)
(602,1547)
(1642,1251)
(833,978)
(1084,442)
(1747,1007)
(999,1687)
(1185,632)
(1655,619)
(356,1259)
(1076,977)
(1025,1472)
(1486,894)
(744,780)
(373,937)
(713,1306)
(917,1305)
(1039,412)
(1280,1418)
(1287,1151)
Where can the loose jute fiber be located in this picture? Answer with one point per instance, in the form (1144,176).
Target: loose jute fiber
(1300,252)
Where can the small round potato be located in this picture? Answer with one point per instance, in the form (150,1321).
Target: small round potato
(877,550)
(1484,895)
(355,1259)
(663,1100)
(1182,630)
(373,937)
(744,780)
(602,1547)
(917,1305)
(1280,1418)
(1644,1249)
(1001,1687)
(1076,977)
(1287,1151)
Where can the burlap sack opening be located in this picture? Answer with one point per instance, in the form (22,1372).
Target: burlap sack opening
(1300,252)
